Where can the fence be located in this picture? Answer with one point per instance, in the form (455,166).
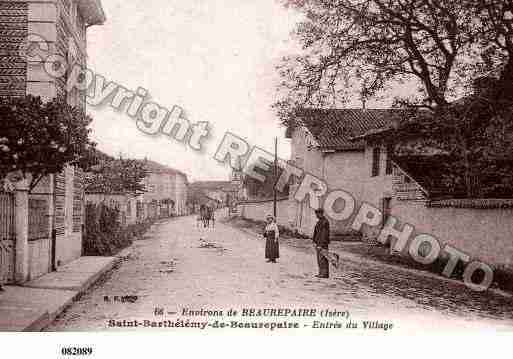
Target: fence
(152,210)
(38,224)
(164,211)
(7,237)
(140,210)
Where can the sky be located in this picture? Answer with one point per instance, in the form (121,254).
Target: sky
(215,59)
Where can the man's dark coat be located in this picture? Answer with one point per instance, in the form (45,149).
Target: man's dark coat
(321,235)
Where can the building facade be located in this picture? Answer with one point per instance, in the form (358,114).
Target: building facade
(221,192)
(410,188)
(322,145)
(48,221)
(164,184)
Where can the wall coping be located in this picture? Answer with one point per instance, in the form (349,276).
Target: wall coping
(263,200)
(473,203)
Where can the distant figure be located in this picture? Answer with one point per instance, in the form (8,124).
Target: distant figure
(211,216)
(199,220)
(321,238)
(203,214)
(207,216)
(272,235)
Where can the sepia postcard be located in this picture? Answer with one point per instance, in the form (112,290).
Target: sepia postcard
(244,167)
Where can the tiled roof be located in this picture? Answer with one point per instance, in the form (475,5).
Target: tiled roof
(333,129)
(155,167)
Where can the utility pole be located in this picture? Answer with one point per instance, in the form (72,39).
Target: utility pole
(275,177)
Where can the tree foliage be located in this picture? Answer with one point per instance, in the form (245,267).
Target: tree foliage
(264,190)
(476,135)
(104,233)
(119,175)
(361,47)
(197,197)
(39,139)
(358,47)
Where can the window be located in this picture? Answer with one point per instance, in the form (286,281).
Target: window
(389,166)
(376,153)
(139,209)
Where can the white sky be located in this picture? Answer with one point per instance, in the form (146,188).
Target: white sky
(215,59)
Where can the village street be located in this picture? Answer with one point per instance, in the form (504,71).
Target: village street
(181,266)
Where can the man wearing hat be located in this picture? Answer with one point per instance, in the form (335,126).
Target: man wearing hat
(321,238)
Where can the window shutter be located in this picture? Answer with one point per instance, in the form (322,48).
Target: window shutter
(376,152)
(389,167)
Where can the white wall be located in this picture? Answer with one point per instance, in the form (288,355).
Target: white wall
(347,170)
(168,186)
(181,195)
(485,234)
(308,160)
(261,209)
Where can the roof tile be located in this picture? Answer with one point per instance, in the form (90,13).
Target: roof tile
(334,128)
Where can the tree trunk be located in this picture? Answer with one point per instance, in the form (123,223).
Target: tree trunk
(505,90)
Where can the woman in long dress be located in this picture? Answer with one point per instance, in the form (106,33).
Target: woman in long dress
(272,235)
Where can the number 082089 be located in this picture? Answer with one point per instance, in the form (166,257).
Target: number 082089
(76,351)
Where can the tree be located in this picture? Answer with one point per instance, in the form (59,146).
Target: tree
(359,47)
(38,139)
(264,190)
(476,134)
(111,175)
(197,197)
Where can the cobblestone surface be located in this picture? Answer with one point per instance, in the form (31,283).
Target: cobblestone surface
(182,266)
